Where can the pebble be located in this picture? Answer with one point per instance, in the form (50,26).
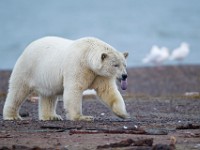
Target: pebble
(102,114)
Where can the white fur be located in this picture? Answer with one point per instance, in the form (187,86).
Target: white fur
(52,66)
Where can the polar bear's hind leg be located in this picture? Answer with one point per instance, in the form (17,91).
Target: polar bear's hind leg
(73,106)
(16,96)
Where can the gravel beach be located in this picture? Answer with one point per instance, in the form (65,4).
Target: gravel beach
(163,103)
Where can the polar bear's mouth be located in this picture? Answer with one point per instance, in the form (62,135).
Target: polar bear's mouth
(123,81)
(124,84)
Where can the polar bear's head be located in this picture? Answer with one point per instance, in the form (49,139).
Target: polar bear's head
(113,65)
(106,61)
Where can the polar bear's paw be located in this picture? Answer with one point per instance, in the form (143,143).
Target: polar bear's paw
(54,117)
(16,117)
(86,118)
(83,118)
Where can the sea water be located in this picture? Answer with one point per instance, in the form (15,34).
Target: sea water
(128,25)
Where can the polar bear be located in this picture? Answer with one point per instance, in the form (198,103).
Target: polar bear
(53,66)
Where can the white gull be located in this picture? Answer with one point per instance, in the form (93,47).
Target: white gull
(181,52)
(157,55)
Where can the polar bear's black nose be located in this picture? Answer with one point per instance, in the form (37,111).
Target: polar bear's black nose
(124,76)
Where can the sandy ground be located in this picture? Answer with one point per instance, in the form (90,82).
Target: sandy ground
(155,100)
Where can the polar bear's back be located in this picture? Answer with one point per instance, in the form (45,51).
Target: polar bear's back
(44,51)
(47,46)
(42,58)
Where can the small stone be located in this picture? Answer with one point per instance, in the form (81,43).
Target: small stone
(125,127)
(102,114)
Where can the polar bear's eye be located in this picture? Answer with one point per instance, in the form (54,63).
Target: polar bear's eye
(116,65)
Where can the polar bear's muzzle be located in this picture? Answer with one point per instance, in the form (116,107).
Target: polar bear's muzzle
(123,81)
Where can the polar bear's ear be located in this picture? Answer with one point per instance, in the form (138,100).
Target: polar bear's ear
(125,54)
(103,56)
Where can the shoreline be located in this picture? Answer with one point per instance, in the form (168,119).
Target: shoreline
(149,80)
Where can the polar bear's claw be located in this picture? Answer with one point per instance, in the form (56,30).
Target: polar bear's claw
(55,117)
(84,118)
(87,118)
(13,118)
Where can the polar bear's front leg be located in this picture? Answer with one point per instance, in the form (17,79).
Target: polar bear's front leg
(115,101)
(47,108)
(109,94)
(117,104)
(73,105)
